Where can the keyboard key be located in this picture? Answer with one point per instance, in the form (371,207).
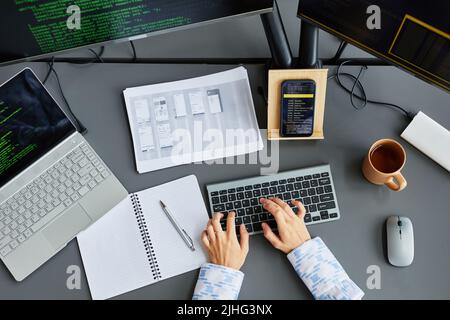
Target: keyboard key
(257,193)
(246,203)
(5,251)
(303,193)
(295,194)
(249,228)
(223,199)
(215,200)
(273,190)
(326,205)
(249,211)
(216,208)
(240,212)
(316,175)
(333,215)
(324,181)
(263,216)
(312,208)
(237,204)
(240,189)
(248,194)
(324,215)
(289,187)
(308,177)
(274,183)
(246,219)
(83,191)
(257,227)
(287,196)
(229,206)
(214,193)
(281,189)
(320,190)
(258,209)
(6,240)
(306,185)
(255,218)
(297,186)
(315,199)
(233,190)
(325,174)
(265,192)
(272,224)
(256,186)
(240,196)
(326,197)
(254,202)
(316,218)
(299,179)
(328,189)
(248,188)
(314,183)
(311,192)
(291,180)
(306,201)
(232,197)
(222,192)
(282,181)
(265,184)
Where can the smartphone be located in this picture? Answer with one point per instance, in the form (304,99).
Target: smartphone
(298,99)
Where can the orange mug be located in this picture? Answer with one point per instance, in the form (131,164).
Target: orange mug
(384,163)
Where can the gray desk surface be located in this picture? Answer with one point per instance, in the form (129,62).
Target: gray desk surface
(95,95)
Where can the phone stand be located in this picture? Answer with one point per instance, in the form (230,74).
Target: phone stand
(276,78)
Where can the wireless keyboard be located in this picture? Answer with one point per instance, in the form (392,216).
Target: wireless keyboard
(312,186)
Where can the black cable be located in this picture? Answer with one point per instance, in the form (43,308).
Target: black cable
(98,57)
(51,65)
(357,84)
(134,51)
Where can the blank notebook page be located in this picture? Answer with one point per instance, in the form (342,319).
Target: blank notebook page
(113,252)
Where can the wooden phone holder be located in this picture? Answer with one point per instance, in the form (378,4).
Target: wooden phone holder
(276,78)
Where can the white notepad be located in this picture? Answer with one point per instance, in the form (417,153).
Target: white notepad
(135,245)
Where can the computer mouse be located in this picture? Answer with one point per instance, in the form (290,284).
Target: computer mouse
(400,241)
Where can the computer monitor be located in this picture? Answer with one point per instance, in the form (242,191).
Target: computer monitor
(36,29)
(412,34)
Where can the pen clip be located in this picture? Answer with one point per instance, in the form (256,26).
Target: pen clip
(190,239)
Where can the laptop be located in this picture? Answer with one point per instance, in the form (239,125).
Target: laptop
(52,183)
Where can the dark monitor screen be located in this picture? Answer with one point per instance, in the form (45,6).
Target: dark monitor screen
(31,124)
(412,34)
(31,28)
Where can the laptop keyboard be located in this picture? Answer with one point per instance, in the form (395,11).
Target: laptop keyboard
(33,207)
(312,186)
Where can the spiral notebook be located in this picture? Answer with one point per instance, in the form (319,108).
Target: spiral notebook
(135,245)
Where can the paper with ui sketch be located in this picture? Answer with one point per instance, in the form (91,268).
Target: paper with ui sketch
(135,245)
(192,120)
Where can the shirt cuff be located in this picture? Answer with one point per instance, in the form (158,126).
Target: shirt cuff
(322,273)
(218,283)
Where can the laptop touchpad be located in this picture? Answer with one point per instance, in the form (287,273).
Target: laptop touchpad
(66,227)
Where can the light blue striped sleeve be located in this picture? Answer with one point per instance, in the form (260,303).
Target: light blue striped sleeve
(322,273)
(218,283)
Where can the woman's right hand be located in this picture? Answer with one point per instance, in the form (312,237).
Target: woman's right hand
(292,231)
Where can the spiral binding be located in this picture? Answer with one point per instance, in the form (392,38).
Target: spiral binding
(150,252)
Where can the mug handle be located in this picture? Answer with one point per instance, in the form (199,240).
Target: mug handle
(397,182)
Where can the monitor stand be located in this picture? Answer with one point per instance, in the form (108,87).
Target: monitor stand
(276,36)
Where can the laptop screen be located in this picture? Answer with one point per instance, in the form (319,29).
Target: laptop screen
(31,124)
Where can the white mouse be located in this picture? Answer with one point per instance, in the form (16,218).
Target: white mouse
(400,241)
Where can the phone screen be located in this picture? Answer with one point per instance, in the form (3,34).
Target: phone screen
(297,108)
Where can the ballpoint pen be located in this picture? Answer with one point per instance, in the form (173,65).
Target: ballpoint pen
(183,234)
